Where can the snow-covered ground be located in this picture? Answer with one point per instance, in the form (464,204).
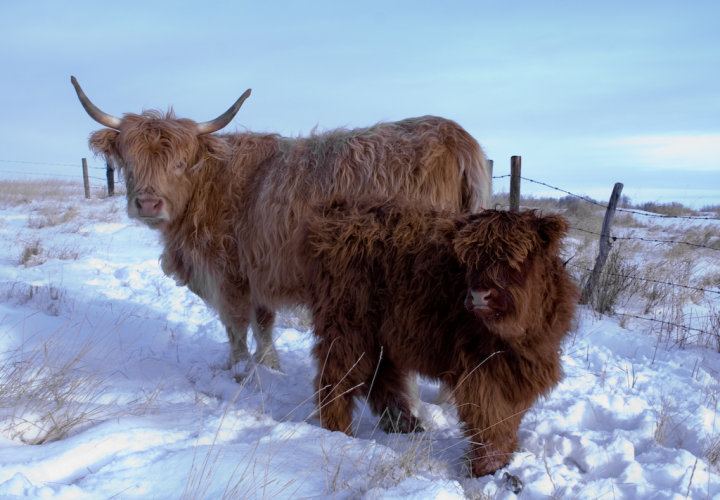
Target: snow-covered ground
(115,384)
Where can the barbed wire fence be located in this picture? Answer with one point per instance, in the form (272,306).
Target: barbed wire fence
(606,239)
(109,174)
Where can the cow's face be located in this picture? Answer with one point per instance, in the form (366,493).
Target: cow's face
(512,263)
(157,156)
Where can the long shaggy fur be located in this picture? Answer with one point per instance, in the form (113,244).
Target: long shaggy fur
(232,203)
(397,288)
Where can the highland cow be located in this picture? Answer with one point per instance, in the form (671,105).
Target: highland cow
(477,301)
(228,206)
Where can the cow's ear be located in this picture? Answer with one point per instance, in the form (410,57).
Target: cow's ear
(102,142)
(552,228)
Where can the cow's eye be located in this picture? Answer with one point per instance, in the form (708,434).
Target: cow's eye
(179,165)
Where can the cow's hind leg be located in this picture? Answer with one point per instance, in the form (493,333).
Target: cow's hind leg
(262,323)
(394,397)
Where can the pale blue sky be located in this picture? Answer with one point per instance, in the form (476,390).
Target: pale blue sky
(587,94)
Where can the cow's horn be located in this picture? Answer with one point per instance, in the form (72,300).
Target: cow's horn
(93,111)
(222,120)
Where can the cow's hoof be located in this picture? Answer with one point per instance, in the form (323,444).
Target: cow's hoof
(269,359)
(238,355)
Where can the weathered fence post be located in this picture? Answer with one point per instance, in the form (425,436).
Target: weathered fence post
(605,243)
(86,178)
(490,164)
(110,173)
(515,183)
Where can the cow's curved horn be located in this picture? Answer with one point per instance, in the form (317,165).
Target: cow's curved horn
(93,111)
(222,120)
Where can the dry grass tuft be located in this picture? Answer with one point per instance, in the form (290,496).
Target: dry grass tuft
(57,386)
(673,209)
(711,449)
(31,254)
(712,209)
(49,216)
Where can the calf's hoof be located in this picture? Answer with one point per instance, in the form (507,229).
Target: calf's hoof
(485,465)
(512,483)
(394,420)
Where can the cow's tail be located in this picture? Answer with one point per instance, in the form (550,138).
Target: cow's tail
(476,175)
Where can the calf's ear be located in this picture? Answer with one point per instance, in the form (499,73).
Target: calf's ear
(552,228)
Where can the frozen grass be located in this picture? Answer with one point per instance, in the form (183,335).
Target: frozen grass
(711,208)
(57,386)
(15,192)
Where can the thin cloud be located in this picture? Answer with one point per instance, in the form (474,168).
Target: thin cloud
(698,152)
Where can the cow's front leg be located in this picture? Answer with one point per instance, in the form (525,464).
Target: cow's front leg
(262,323)
(232,304)
(237,337)
(235,312)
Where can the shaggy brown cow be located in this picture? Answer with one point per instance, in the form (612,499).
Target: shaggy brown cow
(228,206)
(478,301)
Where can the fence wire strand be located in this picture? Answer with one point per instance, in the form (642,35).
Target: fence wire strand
(38,173)
(614,238)
(54,164)
(645,279)
(589,200)
(684,327)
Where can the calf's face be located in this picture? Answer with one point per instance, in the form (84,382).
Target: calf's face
(512,264)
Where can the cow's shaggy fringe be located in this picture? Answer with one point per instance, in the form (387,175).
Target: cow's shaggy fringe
(231,204)
(478,301)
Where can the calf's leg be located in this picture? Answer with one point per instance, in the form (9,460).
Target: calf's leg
(394,396)
(492,421)
(338,380)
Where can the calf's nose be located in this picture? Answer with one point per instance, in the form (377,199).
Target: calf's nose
(481,298)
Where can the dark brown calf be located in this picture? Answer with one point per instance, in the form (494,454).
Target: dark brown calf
(480,302)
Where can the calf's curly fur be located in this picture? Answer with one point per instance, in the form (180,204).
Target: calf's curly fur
(478,301)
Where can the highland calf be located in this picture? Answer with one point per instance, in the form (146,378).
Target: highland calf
(228,206)
(477,301)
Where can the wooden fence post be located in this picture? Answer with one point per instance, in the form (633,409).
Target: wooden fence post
(515,183)
(86,178)
(490,164)
(110,173)
(605,243)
